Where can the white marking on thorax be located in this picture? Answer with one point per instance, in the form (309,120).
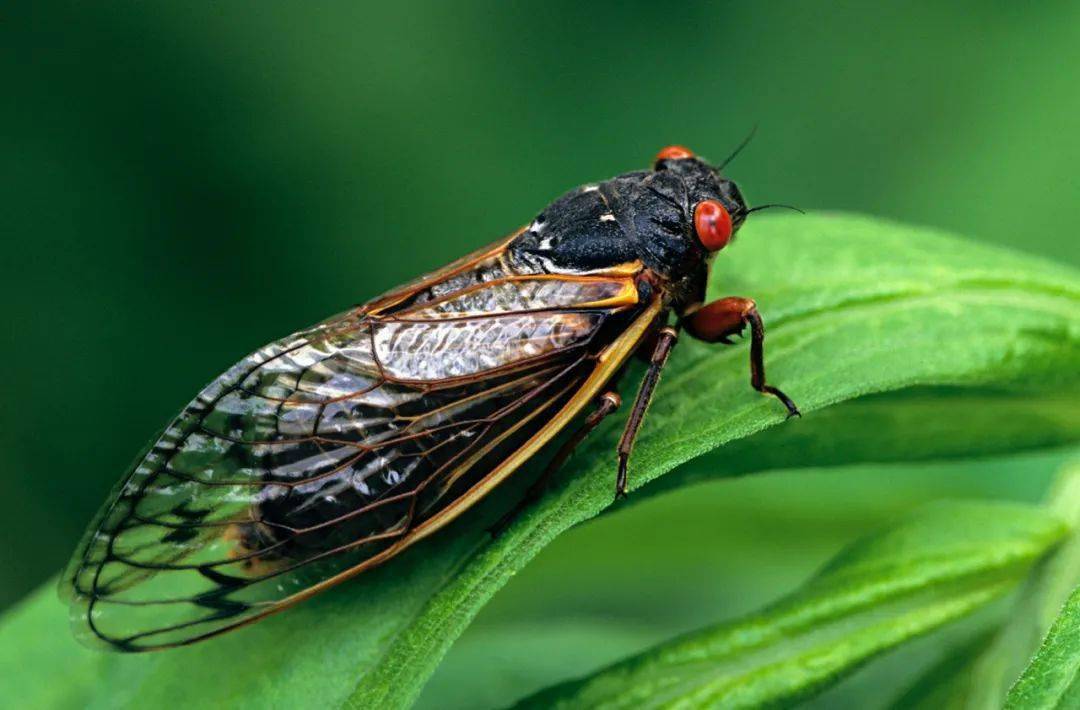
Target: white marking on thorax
(607,217)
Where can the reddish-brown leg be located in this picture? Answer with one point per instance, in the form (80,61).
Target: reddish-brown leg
(718,321)
(665,341)
(609,402)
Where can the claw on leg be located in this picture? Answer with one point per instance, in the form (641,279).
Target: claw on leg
(620,480)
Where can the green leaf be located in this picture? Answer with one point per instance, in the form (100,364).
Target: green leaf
(977,677)
(1053,678)
(933,568)
(853,307)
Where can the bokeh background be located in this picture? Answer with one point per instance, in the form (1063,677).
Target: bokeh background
(182,182)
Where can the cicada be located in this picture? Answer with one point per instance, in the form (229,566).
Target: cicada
(332,450)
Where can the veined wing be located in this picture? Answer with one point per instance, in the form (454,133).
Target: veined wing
(328,451)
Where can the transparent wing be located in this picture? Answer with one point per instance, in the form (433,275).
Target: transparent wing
(318,454)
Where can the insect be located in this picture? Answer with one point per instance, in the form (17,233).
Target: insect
(332,450)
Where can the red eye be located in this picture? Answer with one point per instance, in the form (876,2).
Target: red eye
(673,152)
(712,224)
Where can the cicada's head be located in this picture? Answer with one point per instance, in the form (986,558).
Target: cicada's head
(672,218)
(687,211)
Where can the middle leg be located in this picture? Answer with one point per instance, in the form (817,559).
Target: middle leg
(665,342)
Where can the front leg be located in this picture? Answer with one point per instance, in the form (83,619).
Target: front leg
(718,321)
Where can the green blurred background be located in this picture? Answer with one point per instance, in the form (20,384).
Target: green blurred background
(185,181)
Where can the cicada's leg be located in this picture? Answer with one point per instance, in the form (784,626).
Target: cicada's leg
(718,321)
(609,402)
(666,338)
